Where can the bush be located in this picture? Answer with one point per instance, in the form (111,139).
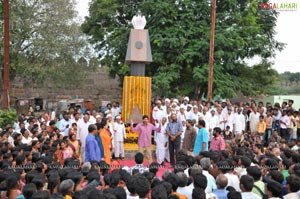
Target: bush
(7,116)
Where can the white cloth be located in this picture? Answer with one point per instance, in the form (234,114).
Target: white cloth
(186,191)
(206,118)
(161,138)
(74,121)
(114,112)
(26,141)
(119,132)
(233,181)
(239,123)
(92,120)
(64,126)
(253,119)
(81,135)
(11,141)
(181,117)
(119,149)
(189,115)
(213,122)
(249,195)
(119,136)
(196,116)
(221,119)
(211,182)
(229,120)
(291,196)
(158,113)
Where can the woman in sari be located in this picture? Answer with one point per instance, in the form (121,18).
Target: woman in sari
(74,145)
(105,135)
(64,152)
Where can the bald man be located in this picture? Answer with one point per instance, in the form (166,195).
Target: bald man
(221,182)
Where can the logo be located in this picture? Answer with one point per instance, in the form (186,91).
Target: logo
(284,6)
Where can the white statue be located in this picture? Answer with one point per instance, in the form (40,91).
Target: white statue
(138,21)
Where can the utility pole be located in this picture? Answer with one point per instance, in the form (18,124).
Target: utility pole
(211,50)
(6,55)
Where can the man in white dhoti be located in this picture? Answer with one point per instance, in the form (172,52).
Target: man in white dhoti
(119,137)
(254,119)
(239,122)
(161,140)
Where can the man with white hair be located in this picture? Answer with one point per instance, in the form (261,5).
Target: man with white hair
(211,182)
(119,137)
(161,140)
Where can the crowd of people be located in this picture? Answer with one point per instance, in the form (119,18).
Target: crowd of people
(215,150)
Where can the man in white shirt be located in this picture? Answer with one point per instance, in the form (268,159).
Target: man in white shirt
(206,117)
(65,124)
(213,122)
(254,119)
(76,119)
(181,114)
(229,118)
(189,113)
(115,110)
(93,117)
(196,114)
(183,189)
(119,137)
(158,112)
(26,139)
(83,132)
(239,122)
(221,118)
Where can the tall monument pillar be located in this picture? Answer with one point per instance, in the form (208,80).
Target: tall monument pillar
(137,88)
(138,49)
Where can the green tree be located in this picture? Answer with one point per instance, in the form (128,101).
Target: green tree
(180,33)
(46,41)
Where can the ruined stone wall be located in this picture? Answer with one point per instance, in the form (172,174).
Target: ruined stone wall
(97,87)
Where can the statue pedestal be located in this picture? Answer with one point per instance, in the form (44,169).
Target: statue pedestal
(136,100)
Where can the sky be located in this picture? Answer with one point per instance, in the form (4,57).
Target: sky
(287,28)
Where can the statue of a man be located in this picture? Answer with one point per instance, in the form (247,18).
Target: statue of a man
(138,21)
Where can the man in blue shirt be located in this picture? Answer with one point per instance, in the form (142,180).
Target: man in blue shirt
(201,141)
(222,183)
(174,131)
(92,150)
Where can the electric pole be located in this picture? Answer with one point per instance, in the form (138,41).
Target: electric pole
(211,50)
(6,55)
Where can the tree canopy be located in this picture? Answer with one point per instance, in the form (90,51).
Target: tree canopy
(47,42)
(179,34)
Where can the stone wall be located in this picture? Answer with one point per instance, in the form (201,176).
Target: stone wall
(97,88)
